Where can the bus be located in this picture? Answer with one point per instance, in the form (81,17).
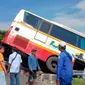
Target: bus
(29,31)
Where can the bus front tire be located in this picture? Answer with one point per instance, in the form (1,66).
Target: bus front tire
(51,63)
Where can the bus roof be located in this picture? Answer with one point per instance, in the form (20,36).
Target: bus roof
(58,24)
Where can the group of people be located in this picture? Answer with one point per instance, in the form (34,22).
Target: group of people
(64,67)
(14,67)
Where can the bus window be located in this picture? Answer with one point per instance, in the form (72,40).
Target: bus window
(64,35)
(45,27)
(32,20)
(82,43)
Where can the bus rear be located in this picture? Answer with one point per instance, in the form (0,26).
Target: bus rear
(18,35)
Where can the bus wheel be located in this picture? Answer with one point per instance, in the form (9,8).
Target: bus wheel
(51,63)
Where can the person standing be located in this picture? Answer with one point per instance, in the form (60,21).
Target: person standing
(14,66)
(33,66)
(64,68)
(3,71)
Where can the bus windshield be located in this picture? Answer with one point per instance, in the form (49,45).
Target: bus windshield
(32,20)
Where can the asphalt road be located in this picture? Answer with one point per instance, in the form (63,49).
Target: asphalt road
(23,80)
(42,80)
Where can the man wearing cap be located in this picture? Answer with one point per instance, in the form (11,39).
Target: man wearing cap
(64,67)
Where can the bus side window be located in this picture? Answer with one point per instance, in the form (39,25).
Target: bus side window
(32,20)
(45,27)
(64,35)
(82,43)
(77,41)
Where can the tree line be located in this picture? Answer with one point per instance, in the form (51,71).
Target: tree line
(2,34)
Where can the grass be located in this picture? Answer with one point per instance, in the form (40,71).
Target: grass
(78,81)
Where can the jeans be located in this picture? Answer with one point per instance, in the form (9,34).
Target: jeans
(14,77)
(2,78)
(32,75)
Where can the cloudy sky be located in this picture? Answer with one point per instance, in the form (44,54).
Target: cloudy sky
(67,12)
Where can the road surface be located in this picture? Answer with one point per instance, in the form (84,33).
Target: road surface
(45,79)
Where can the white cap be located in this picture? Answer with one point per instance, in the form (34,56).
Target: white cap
(62,44)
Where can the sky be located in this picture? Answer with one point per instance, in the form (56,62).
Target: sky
(67,12)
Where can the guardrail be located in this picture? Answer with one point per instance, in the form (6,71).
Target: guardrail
(76,73)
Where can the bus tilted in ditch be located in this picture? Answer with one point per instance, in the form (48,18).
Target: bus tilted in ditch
(29,31)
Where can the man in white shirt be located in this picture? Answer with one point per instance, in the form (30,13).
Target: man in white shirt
(14,66)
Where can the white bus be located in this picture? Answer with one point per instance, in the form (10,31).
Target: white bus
(29,31)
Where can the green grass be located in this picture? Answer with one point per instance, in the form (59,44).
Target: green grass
(78,81)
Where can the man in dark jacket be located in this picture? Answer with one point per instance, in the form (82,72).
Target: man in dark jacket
(64,67)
